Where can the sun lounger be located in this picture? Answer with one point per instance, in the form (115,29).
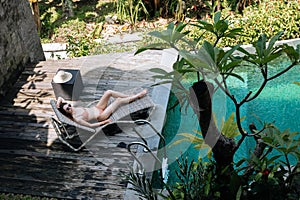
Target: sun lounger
(135,113)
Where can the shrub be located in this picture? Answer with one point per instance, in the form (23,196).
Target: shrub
(269,17)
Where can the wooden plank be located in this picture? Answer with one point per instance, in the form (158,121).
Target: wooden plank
(70,173)
(29,164)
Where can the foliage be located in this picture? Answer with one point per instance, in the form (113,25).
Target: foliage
(269,18)
(131,10)
(142,185)
(213,64)
(56,27)
(197,180)
(272,176)
(228,128)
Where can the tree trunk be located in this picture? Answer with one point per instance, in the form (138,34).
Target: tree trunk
(36,14)
(201,96)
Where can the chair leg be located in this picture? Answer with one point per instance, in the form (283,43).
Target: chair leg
(63,137)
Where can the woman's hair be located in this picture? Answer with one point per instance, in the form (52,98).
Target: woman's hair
(62,110)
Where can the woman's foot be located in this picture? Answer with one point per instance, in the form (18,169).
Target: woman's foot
(138,95)
(142,93)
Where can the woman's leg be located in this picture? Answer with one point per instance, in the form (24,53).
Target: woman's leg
(118,102)
(102,104)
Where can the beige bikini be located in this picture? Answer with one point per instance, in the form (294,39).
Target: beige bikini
(87,114)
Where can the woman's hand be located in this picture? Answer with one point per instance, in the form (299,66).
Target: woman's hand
(105,122)
(59,101)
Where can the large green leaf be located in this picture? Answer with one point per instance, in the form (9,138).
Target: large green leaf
(228,54)
(225,68)
(155,46)
(273,41)
(260,45)
(229,127)
(234,75)
(233,32)
(293,54)
(159,71)
(217,17)
(171,35)
(221,27)
(195,59)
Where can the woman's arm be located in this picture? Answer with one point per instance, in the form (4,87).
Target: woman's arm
(85,123)
(59,101)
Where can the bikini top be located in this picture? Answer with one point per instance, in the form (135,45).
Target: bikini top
(86,114)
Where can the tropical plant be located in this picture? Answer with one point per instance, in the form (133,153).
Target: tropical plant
(131,10)
(228,128)
(142,185)
(213,66)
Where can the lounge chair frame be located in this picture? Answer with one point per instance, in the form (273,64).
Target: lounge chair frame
(62,122)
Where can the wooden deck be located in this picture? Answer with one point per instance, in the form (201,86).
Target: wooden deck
(33,161)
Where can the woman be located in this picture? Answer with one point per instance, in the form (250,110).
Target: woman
(99,112)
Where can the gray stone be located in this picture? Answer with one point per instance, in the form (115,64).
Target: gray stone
(123,38)
(19,41)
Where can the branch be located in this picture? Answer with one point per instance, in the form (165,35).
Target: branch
(283,71)
(245,98)
(227,92)
(266,79)
(257,133)
(238,119)
(265,75)
(239,143)
(237,106)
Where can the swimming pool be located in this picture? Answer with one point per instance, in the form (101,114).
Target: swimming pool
(279,103)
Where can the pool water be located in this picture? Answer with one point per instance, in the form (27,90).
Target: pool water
(279,102)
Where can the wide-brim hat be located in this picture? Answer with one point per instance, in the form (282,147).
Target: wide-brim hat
(62,77)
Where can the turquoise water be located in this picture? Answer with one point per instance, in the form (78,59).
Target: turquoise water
(279,103)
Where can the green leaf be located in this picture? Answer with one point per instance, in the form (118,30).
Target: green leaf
(235,75)
(271,57)
(155,46)
(162,82)
(221,27)
(180,26)
(239,163)
(260,45)
(159,71)
(207,189)
(297,83)
(217,17)
(209,50)
(230,66)
(239,193)
(229,53)
(194,59)
(273,41)
(258,176)
(171,35)
(273,158)
(233,32)
(229,127)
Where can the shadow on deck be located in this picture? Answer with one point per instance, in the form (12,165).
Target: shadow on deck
(34,162)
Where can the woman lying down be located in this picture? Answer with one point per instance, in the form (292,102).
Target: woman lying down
(101,111)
